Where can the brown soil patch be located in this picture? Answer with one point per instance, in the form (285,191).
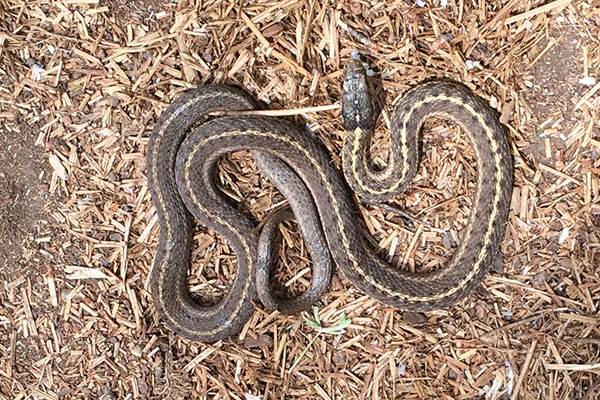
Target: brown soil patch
(23,196)
(554,89)
(143,12)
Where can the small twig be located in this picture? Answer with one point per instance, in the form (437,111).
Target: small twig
(278,113)
(572,367)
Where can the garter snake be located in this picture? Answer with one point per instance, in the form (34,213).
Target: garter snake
(181,176)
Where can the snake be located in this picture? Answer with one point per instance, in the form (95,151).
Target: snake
(186,146)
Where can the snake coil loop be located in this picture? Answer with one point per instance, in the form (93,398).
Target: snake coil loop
(181,172)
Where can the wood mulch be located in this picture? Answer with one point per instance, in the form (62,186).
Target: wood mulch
(81,85)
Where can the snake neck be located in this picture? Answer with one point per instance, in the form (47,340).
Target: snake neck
(378,185)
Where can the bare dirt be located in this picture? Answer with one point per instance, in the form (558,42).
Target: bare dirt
(24,196)
(140,11)
(555,90)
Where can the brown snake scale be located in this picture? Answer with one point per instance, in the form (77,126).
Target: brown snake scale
(181,177)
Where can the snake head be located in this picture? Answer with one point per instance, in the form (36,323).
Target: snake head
(357,108)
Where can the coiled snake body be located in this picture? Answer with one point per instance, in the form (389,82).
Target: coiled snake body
(181,176)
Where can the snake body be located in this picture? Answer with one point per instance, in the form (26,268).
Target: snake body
(181,175)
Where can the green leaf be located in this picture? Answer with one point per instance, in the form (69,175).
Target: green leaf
(316,314)
(340,327)
(315,323)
